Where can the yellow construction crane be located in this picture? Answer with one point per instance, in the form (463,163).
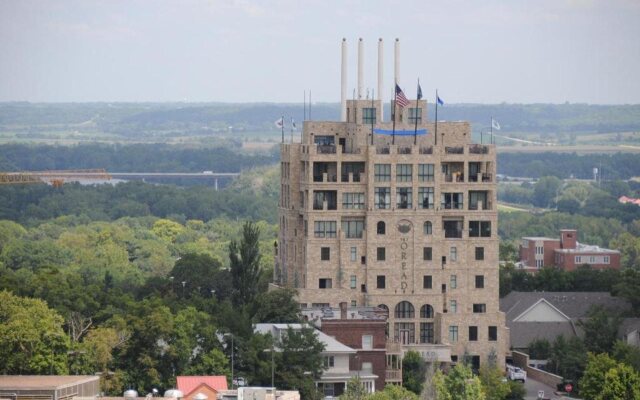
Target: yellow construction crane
(54,178)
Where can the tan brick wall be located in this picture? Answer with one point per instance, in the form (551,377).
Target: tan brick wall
(403,282)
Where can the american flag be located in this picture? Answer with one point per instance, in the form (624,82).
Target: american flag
(401,99)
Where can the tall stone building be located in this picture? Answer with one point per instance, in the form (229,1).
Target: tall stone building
(406,222)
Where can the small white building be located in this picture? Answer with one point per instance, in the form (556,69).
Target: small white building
(337,374)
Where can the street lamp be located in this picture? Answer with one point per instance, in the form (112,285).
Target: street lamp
(232,360)
(273,368)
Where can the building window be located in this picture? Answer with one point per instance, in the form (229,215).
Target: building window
(425,198)
(325,253)
(353,201)
(405,332)
(382,198)
(353,229)
(427,253)
(453,333)
(354,303)
(404,309)
(381,228)
(592,260)
(473,333)
(354,254)
(451,201)
(479,253)
(426,311)
(425,172)
(415,115)
(578,259)
(539,264)
(426,332)
(382,172)
(427,228)
(368,115)
(479,281)
(453,253)
(453,305)
(479,228)
(320,197)
(453,281)
(452,228)
(352,282)
(606,260)
(493,333)
(381,282)
(324,229)
(324,283)
(404,198)
(404,172)
(367,342)
(479,308)
(329,361)
(381,253)
(540,250)
(427,282)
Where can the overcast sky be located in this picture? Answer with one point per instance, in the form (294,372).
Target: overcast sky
(249,50)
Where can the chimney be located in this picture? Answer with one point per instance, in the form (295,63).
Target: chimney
(380,74)
(343,310)
(568,238)
(343,91)
(396,61)
(360,68)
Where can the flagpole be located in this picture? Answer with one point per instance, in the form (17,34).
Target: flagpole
(304,102)
(291,129)
(395,98)
(415,129)
(436,134)
(282,128)
(491,127)
(309,104)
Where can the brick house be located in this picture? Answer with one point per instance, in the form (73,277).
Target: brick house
(565,253)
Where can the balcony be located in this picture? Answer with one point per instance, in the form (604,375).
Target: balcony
(325,178)
(404,150)
(452,205)
(426,150)
(478,149)
(480,205)
(351,150)
(326,149)
(383,150)
(454,150)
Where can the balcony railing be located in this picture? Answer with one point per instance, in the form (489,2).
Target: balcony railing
(404,150)
(383,150)
(325,178)
(452,205)
(393,375)
(351,150)
(355,178)
(454,150)
(326,149)
(454,177)
(478,149)
(480,205)
(426,150)
(317,205)
(480,177)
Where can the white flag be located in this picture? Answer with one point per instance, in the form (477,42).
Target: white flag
(293,124)
(280,122)
(495,125)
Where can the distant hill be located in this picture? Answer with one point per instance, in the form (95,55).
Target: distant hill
(141,119)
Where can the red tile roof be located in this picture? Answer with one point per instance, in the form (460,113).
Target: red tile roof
(188,384)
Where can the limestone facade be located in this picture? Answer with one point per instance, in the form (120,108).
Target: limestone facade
(405,222)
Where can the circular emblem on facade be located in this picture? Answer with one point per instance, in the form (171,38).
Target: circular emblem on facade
(404,226)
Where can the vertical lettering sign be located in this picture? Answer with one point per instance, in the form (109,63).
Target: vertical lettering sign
(406,254)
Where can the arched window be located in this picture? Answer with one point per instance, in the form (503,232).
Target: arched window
(427,228)
(384,307)
(404,309)
(381,228)
(426,311)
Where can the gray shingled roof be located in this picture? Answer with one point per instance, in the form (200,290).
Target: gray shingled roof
(523,333)
(573,304)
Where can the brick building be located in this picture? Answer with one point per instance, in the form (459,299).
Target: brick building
(403,221)
(565,253)
(364,330)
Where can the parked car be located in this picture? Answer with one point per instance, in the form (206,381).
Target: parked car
(516,374)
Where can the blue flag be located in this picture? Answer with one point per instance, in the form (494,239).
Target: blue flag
(440,101)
